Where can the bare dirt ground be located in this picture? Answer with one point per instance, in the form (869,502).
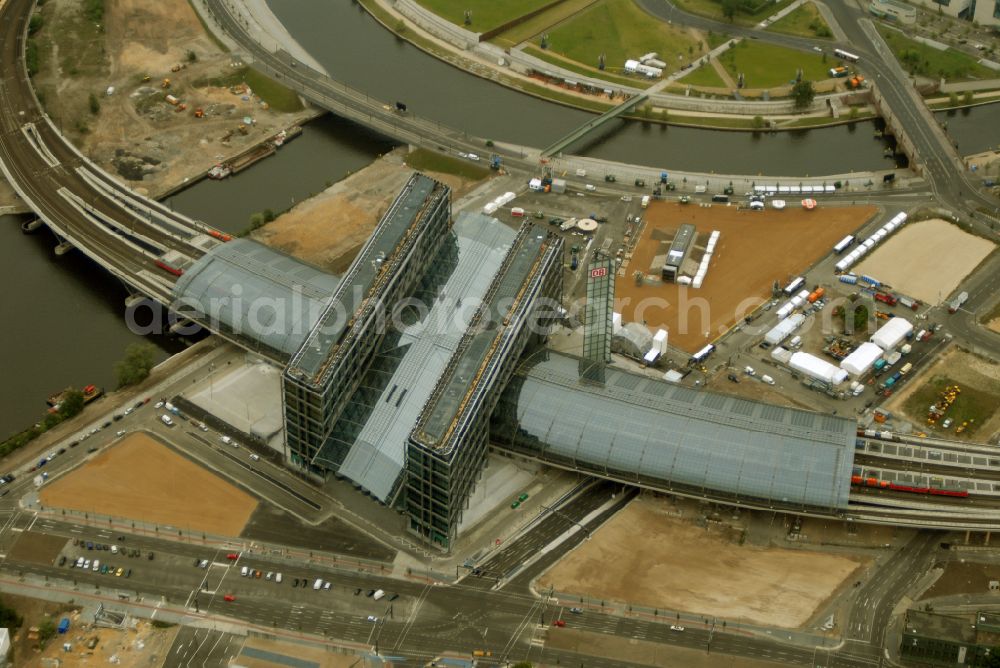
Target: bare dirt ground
(964,368)
(994,325)
(139,647)
(40,548)
(142,479)
(329,229)
(967,577)
(755,248)
(926,260)
(137,135)
(589,643)
(647,556)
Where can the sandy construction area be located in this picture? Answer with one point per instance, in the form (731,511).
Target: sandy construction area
(926,260)
(142,479)
(755,249)
(646,556)
(329,229)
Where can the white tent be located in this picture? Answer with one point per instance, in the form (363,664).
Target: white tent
(862,359)
(892,333)
(814,367)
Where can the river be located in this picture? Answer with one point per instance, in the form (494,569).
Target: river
(355,49)
(976,129)
(63,316)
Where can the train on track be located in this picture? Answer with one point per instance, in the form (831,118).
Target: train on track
(861,481)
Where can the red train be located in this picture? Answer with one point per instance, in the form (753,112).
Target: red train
(167,268)
(885,484)
(221,236)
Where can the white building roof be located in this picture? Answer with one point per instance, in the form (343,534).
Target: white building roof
(814,367)
(862,359)
(892,333)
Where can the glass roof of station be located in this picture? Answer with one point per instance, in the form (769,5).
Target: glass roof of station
(369,441)
(256,292)
(648,427)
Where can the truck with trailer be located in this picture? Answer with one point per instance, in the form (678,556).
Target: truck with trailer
(957,302)
(886,298)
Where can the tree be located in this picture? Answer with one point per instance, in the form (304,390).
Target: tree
(192,57)
(134,367)
(968,97)
(729,8)
(72,403)
(9,617)
(803,94)
(758,122)
(95,104)
(46,630)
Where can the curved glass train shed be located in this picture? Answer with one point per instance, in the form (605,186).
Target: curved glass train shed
(605,421)
(263,298)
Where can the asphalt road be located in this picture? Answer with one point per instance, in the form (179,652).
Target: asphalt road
(201,648)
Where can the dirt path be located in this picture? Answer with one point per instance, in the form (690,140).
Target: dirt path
(647,556)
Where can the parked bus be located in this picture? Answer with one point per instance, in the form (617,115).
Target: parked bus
(794,286)
(840,53)
(843,244)
(702,354)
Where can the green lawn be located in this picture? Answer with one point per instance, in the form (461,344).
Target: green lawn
(704,76)
(713,10)
(767,65)
(573,66)
(486,14)
(539,24)
(973,404)
(804,21)
(620,30)
(431,161)
(917,58)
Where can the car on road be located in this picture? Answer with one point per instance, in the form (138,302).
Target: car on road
(576,611)
(295,582)
(150,557)
(257,574)
(86,565)
(62,560)
(947,423)
(393,597)
(591,187)
(674,627)
(277,578)
(119,572)
(371,592)
(229,597)
(117,416)
(357,591)
(90,545)
(232,556)
(203,563)
(120,433)
(372,618)
(244,571)
(254,457)
(158,404)
(818,49)
(106,424)
(473,157)
(202,426)
(129,410)
(114,549)
(270,574)
(559,622)
(326,585)
(197,562)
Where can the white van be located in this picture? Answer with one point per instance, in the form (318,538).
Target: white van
(97,564)
(795,342)
(166,420)
(277,577)
(517,212)
(699,189)
(378,594)
(749,371)
(244,571)
(645,201)
(79,562)
(767,379)
(317,584)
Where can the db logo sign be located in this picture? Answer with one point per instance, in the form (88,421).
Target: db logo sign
(598,272)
